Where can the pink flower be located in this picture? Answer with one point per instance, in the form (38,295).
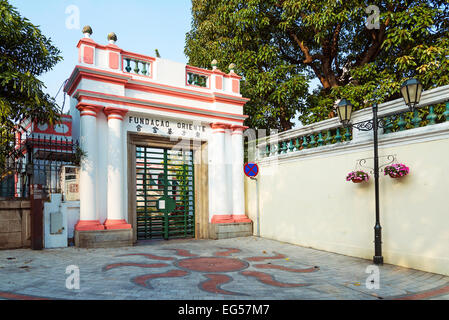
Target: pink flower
(396,170)
(357,176)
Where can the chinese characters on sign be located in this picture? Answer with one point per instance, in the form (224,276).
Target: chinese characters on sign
(166,127)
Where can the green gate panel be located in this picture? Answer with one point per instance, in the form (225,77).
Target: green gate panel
(165,195)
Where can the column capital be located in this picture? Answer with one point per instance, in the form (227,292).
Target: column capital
(237,129)
(219,125)
(115,113)
(88,109)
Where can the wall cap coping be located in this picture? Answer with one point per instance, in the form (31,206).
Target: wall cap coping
(429,97)
(416,135)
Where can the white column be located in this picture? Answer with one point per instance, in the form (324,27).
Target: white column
(228,166)
(220,207)
(116,214)
(88,171)
(238,188)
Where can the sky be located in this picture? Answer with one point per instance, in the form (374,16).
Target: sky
(140,25)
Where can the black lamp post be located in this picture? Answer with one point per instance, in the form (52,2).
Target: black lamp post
(411,92)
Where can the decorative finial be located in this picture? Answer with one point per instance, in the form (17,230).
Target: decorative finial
(232,67)
(214,64)
(112,37)
(87,31)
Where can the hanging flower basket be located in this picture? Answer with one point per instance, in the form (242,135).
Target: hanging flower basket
(357,176)
(397,170)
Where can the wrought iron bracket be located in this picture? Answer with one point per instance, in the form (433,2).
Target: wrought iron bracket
(368,125)
(361,163)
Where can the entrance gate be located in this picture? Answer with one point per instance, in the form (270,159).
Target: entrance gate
(164,193)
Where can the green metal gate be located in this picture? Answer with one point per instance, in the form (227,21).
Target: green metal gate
(165,193)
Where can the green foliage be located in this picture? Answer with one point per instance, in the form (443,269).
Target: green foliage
(240,32)
(78,155)
(25,54)
(280,45)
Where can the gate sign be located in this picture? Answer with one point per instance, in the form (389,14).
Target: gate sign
(251,169)
(166,204)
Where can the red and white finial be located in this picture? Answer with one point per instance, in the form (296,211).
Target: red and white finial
(214,64)
(231,68)
(87,31)
(112,38)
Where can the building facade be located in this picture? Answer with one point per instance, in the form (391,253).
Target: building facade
(162,147)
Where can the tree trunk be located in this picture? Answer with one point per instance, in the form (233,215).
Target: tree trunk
(285,123)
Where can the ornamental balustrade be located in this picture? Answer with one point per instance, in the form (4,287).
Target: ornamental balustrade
(143,68)
(307,138)
(137,66)
(197,79)
(432,110)
(422,117)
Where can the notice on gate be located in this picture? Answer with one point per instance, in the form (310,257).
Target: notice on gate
(167,127)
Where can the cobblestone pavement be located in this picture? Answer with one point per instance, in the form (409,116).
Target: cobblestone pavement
(240,268)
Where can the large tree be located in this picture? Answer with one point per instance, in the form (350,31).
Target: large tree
(25,54)
(279,46)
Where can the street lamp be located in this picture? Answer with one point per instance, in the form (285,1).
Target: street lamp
(344,111)
(411,92)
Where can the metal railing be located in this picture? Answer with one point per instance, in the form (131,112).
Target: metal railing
(28,159)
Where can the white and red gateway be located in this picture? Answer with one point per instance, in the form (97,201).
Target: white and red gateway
(117,95)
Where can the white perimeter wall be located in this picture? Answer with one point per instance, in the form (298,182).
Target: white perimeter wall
(306,200)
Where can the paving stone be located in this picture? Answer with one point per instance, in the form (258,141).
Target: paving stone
(151,270)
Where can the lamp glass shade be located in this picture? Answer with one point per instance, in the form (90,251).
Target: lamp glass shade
(411,92)
(344,110)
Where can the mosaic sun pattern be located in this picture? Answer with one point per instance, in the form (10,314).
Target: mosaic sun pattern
(218,269)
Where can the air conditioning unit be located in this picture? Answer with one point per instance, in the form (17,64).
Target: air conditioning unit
(70,180)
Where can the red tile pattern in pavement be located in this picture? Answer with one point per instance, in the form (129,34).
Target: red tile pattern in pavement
(147,255)
(227,252)
(144,280)
(213,284)
(212,264)
(275,266)
(15,296)
(184,253)
(277,256)
(269,279)
(219,263)
(432,293)
(131,264)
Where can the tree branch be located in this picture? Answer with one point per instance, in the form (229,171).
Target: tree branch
(372,50)
(335,38)
(309,58)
